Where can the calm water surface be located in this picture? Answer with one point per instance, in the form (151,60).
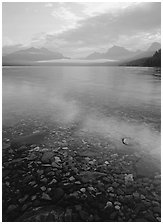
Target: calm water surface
(112,101)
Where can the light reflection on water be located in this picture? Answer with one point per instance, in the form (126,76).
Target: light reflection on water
(113,101)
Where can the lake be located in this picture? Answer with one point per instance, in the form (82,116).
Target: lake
(113,102)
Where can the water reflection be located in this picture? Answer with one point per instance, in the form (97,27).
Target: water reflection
(113,101)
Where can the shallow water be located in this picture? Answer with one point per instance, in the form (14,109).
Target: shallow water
(114,102)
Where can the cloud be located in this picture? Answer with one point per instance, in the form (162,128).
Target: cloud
(102,25)
(49,5)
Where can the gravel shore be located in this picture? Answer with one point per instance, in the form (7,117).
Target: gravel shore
(64,176)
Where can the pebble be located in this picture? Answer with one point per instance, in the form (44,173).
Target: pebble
(33,197)
(54,181)
(11,207)
(78,207)
(108,204)
(68,215)
(46,197)
(77,182)
(158,219)
(57,159)
(23,199)
(71,178)
(55,165)
(44,180)
(136,195)
(117,207)
(142,197)
(110,189)
(43,188)
(83,190)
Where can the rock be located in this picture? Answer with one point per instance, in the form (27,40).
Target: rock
(22,148)
(11,208)
(117,207)
(136,195)
(57,194)
(43,188)
(115,184)
(83,215)
(106,163)
(129,179)
(149,216)
(88,176)
(21,200)
(55,165)
(77,182)
(110,189)
(33,197)
(32,156)
(40,172)
(83,190)
(71,178)
(108,204)
(44,180)
(74,194)
(157,210)
(155,204)
(46,197)
(78,207)
(47,157)
(54,181)
(158,219)
(142,197)
(57,159)
(68,215)
(146,203)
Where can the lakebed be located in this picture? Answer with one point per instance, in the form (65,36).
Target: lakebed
(70,175)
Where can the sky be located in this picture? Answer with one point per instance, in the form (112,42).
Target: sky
(77,29)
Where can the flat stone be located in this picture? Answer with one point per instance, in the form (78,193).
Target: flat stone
(47,157)
(83,190)
(71,178)
(46,197)
(43,188)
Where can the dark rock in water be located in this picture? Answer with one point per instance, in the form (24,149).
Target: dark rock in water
(68,215)
(28,140)
(47,156)
(57,194)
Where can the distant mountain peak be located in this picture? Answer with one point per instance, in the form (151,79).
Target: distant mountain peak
(154,46)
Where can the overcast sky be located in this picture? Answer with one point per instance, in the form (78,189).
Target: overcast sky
(77,29)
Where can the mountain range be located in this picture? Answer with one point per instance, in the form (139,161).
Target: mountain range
(115,54)
(121,53)
(31,55)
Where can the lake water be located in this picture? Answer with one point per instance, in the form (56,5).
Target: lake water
(110,101)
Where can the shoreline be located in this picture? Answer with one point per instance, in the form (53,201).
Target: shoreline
(72,176)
